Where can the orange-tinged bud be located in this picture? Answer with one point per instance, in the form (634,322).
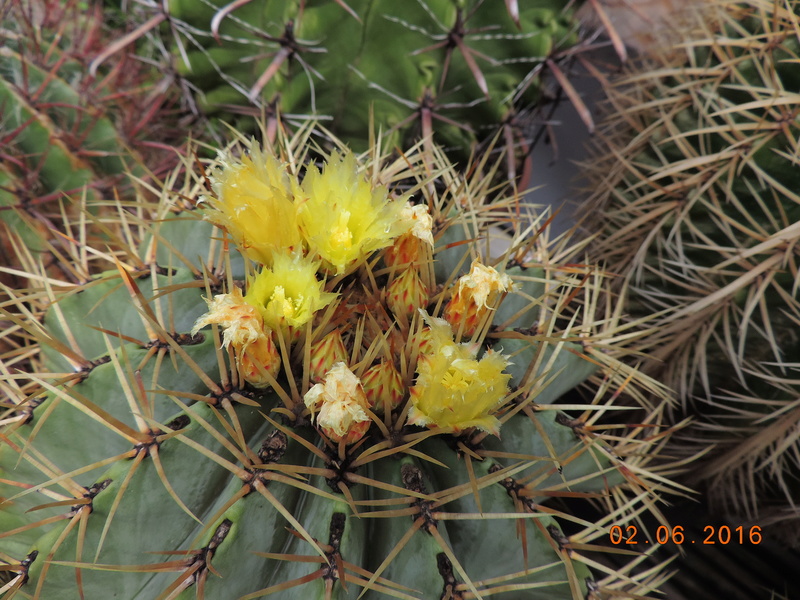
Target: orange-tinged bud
(475,295)
(409,247)
(245,333)
(407,293)
(383,386)
(325,353)
(259,357)
(338,405)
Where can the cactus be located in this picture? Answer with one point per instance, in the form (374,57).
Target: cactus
(69,137)
(204,422)
(456,70)
(697,194)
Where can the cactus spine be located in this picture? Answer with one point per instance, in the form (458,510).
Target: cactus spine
(698,198)
(142,453)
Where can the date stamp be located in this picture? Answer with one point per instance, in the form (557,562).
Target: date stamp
(722,535)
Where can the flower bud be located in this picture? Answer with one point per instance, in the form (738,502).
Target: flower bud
(325,353)
(383,386)
(407,293)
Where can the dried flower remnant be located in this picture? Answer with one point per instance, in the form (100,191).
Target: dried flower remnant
(244,331)
(453,388)
(342,217)
(338,405)
(254,202)
(409,248)
(476,293)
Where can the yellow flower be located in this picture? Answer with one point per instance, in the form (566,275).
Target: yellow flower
(475,295)
(253,202)
(289,293)
(244,331)
(455,390)
(341,402)
(344,219)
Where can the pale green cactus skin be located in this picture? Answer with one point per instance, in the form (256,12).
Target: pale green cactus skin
(122,379)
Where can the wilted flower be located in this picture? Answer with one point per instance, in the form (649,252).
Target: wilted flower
(342,217)
(288,293)
(454,389)
(416,224)
(341,403)
(475,294)
(253,202)
(244,331)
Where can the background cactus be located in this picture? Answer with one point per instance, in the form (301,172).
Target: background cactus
(696,191)
(457,70)
(131,437)
(68,136)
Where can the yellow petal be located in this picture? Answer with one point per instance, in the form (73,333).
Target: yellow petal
(288,294)
(253,201)
(342,217)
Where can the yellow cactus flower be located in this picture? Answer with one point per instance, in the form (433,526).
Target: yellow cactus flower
(342,217)
(455,390)
(475,295)
(253,202)
(244,331)
(288,293)
(341,402)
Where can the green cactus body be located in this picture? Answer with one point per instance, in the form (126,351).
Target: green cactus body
(137,461)
(455,70)
(701,214)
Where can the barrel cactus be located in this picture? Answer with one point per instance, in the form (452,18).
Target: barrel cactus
(696,189)
(317,380)
(457,70)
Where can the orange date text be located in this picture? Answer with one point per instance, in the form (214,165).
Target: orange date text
(712,534)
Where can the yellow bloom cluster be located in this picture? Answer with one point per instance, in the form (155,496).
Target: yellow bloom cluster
(331,222)
(335,215)
(455,390)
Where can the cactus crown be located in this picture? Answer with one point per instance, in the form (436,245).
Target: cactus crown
(276,418)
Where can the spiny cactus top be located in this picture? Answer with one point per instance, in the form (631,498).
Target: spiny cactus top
(456,70)
(356,400)
(696,190)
